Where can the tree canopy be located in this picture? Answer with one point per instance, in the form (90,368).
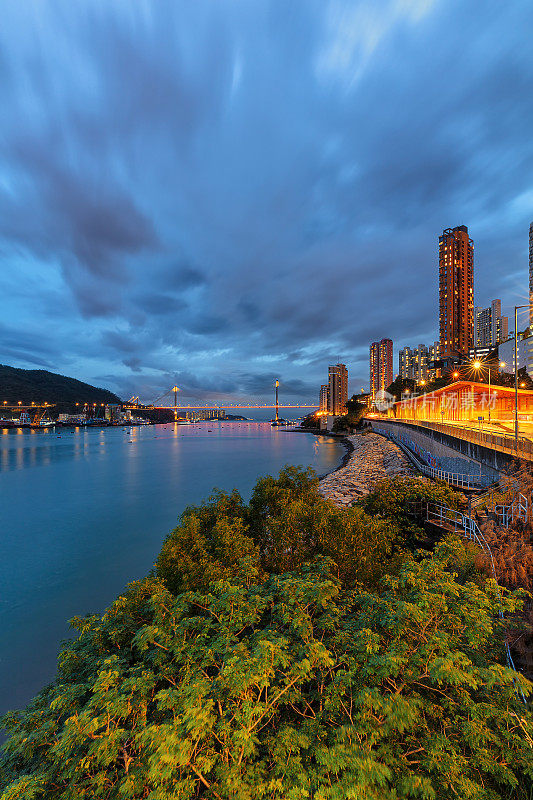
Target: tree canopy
(266,658)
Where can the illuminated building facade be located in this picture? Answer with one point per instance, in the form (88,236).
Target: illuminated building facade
(490,328)
(415,364)
(381,375)
(531,274)
(324,398)
(406,363)
(374,369)
(456,292)
(434,355)
(338,389)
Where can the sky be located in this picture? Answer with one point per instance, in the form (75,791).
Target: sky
(219,193)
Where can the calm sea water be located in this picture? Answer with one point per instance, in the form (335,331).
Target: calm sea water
(83,512)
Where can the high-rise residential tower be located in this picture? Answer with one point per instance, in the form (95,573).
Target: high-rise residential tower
(490,328)
(456,292)
(324,398)
(381,375)
(338,389)
(415,364)
(531,274)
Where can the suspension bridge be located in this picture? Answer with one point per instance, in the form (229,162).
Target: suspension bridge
(170,402)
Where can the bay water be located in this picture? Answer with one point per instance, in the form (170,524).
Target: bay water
(85,511)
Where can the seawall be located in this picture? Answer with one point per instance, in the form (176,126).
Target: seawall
(452,454)
(371,459)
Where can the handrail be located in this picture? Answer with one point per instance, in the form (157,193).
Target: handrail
(469,529)
(459,479)
(518,509)
(506,444)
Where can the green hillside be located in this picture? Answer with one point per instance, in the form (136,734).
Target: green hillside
(39,386)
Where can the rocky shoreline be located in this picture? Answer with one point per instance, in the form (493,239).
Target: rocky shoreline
(371,458)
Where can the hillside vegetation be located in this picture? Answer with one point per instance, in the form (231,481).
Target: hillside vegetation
(41,386)
(285,649)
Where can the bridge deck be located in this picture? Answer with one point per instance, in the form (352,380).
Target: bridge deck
(222,407)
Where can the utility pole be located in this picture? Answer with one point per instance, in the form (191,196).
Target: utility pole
(277,401)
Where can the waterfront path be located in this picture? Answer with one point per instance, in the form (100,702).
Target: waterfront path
(372,459)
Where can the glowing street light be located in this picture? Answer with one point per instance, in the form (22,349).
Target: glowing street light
(516,370)
(477,365)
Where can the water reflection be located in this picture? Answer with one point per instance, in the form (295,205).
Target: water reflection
(102,501)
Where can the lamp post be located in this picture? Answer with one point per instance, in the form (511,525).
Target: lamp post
(477,365)
(516,372)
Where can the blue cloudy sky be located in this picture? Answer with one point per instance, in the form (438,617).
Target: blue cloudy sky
(221,192)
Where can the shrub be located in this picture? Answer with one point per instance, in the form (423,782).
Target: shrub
(275,654)
(207,545)
(395,499)
(291,523)
(283,687)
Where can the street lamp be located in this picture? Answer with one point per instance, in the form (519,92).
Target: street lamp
(516,371)
(477,365)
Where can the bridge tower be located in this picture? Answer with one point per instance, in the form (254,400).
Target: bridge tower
(175,390)
(277,401)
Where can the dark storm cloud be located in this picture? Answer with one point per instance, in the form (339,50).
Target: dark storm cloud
(223,190)
(182,277)
(261,385)
(161,304)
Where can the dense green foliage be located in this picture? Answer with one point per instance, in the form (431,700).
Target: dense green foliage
(356,409)
(311,421)
(270,656)
(41,386)
(286,523)
(400,386)
(396,501)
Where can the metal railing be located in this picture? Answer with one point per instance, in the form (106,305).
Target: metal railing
(494,441)
(468,528)
(518,509)
(458,479)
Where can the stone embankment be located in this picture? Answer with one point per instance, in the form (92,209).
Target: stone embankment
(372,459)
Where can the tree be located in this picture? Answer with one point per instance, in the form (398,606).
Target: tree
(208,544)
(311,421)
(285,687)
(348,422)
(280,652)
(400,386)
(394,500)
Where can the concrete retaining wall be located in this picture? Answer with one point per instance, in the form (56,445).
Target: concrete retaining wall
(453,455)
